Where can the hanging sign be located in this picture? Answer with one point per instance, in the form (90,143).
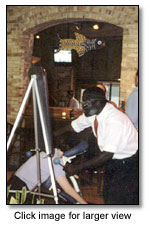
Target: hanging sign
(81,44)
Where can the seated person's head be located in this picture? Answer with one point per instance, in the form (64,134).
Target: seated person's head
(94,100)
(67,141)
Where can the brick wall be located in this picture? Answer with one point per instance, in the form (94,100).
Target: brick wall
(24,21)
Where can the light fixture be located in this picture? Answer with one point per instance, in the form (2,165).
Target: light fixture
(37,36)
(95,26)
(35,59)
(64,115)
(78,27)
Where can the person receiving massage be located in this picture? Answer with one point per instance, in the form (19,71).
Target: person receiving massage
(117,140)
(26,175)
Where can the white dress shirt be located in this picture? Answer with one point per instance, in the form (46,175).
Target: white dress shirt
(115,132)
(74,103)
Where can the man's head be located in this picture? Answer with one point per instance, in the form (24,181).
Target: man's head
(102,87)
(94,101)
(70,93)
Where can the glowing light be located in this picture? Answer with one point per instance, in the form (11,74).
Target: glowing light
(77,27)
(96,27)
(37,36)
(63,115)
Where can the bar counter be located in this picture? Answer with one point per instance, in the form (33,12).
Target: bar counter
(60,117)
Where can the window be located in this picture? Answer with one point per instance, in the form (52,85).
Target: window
(63,56)
(112,92)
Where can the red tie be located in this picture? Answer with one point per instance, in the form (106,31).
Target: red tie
(95,125)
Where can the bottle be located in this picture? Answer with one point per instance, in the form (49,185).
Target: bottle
(71,114)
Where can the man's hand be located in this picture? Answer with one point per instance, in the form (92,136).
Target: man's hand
(71,169)
(60,153)
(98,160)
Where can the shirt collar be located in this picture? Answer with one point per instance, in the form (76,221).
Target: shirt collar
(104,111)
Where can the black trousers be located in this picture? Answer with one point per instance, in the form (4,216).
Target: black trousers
(121,181)
(17,184)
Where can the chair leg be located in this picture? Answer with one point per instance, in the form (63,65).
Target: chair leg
(99,181)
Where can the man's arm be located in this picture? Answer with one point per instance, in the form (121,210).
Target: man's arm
(96,161)
(77,125)
(63,130)
(132,107)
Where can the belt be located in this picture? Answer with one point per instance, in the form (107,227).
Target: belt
(119,163)
(129,159)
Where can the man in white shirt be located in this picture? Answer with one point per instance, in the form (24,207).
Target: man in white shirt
(72,102)
(117,139)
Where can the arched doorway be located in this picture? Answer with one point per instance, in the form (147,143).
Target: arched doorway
(78,72)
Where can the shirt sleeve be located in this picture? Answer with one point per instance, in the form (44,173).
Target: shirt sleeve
(132,108)
(81,123)
(113,137)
